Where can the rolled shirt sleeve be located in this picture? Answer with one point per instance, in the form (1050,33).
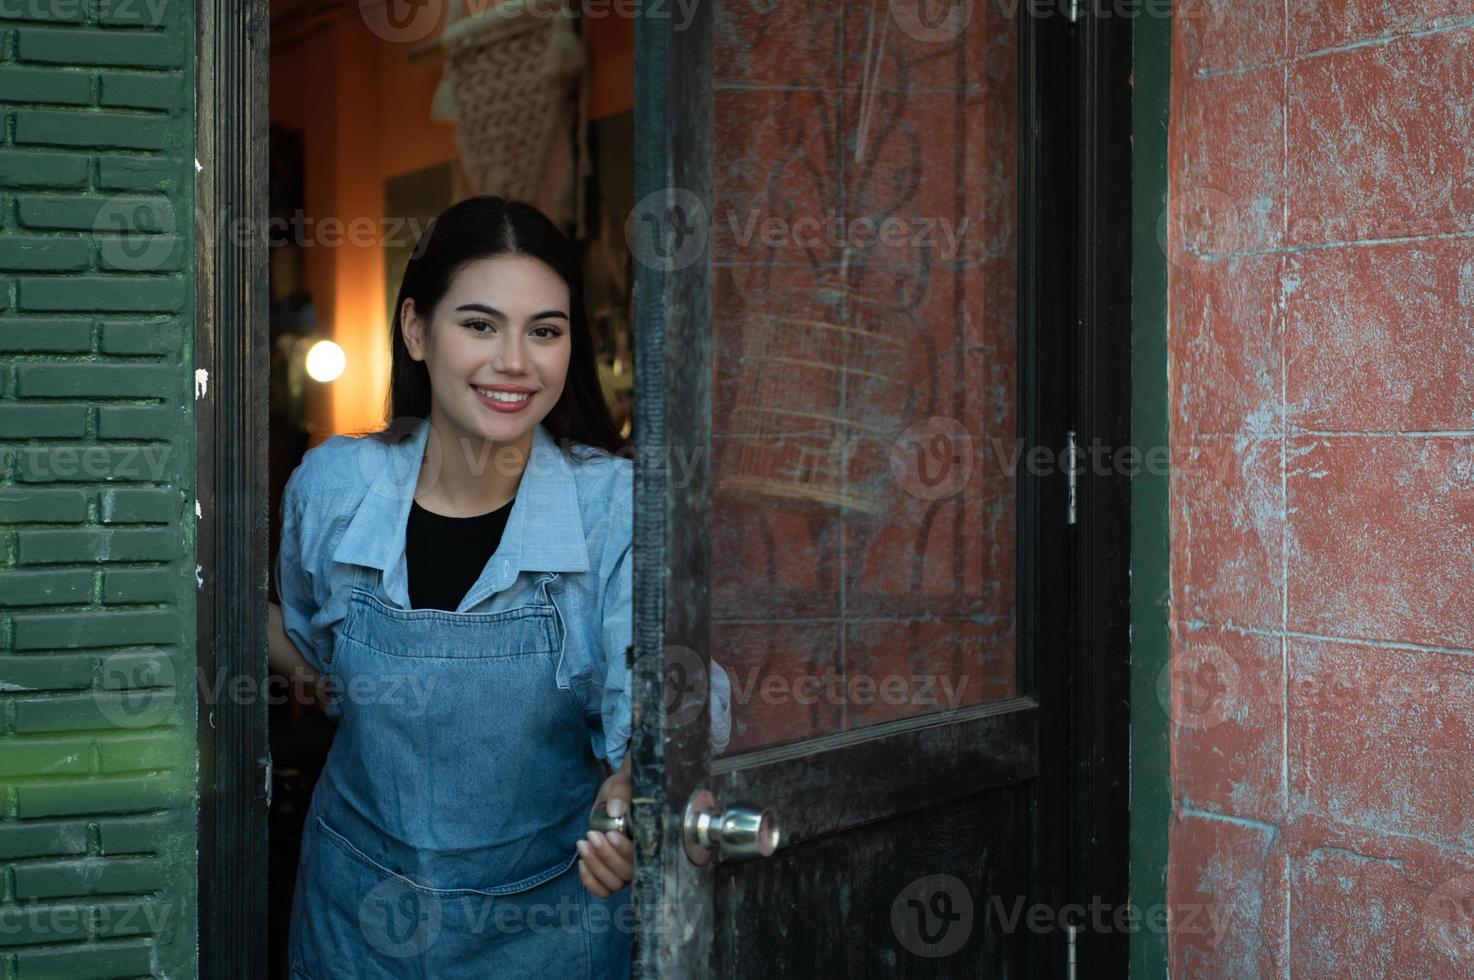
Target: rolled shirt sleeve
(613,741)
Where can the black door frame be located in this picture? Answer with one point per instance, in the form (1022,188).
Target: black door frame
(231,345)
(1084,203)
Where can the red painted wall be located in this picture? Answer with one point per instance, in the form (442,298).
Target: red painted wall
(1322,375)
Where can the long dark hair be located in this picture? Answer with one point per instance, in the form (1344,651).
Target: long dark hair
(479,228)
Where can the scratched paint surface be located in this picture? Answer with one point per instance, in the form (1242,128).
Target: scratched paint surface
(1321,369)
(863,568)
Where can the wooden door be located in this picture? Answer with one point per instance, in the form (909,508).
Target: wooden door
(866,339)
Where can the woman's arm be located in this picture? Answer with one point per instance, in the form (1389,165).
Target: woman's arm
(283,656)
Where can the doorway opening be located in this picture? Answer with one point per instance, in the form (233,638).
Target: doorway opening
(377,124)
(969,619)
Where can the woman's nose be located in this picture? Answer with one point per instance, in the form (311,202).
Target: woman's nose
(509,357)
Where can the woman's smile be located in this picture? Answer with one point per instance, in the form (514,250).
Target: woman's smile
(504,398)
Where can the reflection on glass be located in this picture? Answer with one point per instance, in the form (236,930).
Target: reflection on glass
(864,412)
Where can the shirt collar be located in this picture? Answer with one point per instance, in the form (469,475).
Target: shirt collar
(544,532)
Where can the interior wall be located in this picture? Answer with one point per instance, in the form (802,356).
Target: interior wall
(363,108)
(1322,497)
(362,104)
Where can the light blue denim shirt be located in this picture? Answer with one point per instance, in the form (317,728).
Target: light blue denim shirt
(347,504)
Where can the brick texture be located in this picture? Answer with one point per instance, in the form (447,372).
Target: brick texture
(97,577)
(1322,364)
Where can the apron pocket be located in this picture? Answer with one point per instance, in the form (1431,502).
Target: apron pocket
(362,919)
(507,888)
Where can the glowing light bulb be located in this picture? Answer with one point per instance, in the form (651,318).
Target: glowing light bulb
(325,361)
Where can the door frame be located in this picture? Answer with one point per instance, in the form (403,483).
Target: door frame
(231,341)
(1101,706)
(231,345)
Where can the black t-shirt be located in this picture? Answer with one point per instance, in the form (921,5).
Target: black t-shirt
(446,554)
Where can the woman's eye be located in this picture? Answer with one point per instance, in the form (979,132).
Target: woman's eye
(546,332)
(480,326)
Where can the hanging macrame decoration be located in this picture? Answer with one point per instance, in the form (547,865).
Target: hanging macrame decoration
(511,72)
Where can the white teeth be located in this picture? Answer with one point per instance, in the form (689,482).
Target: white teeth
(504,396)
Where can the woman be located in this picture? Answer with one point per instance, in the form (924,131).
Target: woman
(461,582)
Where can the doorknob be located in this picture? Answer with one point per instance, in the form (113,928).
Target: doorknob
(738,830)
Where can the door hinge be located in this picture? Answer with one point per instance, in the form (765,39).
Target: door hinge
(1072,455)
(1072,11)
(1070,932)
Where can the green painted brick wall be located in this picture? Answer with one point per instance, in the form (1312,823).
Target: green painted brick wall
(98,756)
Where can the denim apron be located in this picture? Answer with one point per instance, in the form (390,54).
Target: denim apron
(439,842)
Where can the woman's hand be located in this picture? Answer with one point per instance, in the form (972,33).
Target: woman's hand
(607,859)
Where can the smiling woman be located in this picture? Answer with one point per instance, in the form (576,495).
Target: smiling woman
(480,543)
(493,375)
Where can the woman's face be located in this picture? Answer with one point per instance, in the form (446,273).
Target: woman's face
(497,347)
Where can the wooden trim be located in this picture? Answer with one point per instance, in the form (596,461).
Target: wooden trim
(978,748)
(1075,228)
(674,107)
(1047,551)
(1151,638)
(1100,706)
(231,439)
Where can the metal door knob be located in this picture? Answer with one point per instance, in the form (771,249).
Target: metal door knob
(601,820)
(738,830)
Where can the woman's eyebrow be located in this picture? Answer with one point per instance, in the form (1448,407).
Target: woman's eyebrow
(493,311)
